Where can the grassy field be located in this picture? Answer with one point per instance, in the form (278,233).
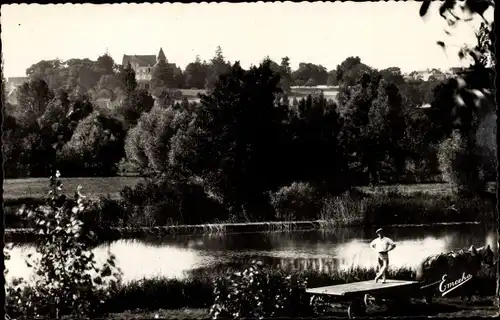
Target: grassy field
(37,188)
(329,92)
(296,91)
(191,93)
(94,187)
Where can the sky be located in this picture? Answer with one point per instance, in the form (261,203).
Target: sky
(383,34)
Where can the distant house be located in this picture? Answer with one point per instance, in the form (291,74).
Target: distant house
(426,74)
(143,66)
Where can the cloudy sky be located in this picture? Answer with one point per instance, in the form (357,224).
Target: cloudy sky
(382,34)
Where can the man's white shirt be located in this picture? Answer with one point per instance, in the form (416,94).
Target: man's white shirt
(382,245)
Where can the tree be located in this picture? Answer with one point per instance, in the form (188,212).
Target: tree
(109,82)
(148,145)
(33,97)
(95,148)
(312,144)
(459,165)
(127,76)
(286,75)
(308,71)
(162,75)
(106,64)
(393,75)
(134,104)
(354,106)
(237,162)
(350,70)
(386,131)
(332,78)
(218,67)
(196,73)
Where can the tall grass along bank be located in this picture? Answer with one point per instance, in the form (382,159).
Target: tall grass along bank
(199,289)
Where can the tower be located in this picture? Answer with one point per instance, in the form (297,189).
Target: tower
(161,56)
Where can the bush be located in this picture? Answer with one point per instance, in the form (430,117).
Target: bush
(460,165)
(257,293)
(103,214)
(393,208)
(299,201)
(343,210)
(67,279)
(170,200)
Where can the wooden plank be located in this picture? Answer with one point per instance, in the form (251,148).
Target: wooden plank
(362,287)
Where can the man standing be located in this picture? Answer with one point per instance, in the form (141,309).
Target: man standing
(382,245)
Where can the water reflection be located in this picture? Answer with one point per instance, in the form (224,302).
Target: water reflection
(323,251)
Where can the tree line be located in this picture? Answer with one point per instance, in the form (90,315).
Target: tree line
(375,128)
(101,79)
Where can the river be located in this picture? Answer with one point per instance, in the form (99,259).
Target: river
(321,250)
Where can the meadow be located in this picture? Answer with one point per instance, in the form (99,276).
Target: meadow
(17,190)
(329,92)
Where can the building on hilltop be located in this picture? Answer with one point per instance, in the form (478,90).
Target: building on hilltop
(437,74)
(143,66)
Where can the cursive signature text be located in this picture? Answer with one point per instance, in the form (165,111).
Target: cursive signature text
(446,287)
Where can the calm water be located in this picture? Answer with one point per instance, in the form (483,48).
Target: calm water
(317,250)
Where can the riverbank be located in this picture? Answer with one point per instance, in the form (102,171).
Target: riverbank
(112,217)
(24,235)
(196,291)
(194,295)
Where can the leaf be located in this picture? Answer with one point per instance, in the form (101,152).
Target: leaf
(424,7)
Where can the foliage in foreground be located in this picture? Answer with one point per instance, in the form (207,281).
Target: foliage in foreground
(67,279)
(256,294)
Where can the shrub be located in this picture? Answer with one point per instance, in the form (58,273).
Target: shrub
(344,210)
(67,279)
(460,164)
(299,201)
(257,293)
(103,214)
(170,200)
(394,208)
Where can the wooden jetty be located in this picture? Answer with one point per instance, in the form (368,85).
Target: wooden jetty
(359,295)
